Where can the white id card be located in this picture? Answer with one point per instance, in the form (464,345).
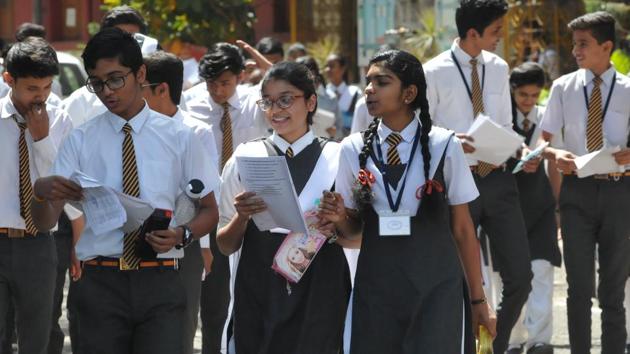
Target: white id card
(394,224)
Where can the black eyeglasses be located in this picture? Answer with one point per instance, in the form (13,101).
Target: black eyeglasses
(283,102)
(113,83)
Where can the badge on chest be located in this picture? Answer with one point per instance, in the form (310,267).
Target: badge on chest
(394,223)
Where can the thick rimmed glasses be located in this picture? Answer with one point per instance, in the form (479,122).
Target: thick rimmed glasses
(283,102)
(113,83)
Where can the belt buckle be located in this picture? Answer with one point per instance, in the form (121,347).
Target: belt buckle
(603,177)
(122,265)
(15,233)
(616,176)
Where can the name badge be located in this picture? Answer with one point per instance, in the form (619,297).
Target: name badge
(394,224)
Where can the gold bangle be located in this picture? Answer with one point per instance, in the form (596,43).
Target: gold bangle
(478,301)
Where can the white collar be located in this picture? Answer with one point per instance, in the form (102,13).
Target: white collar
(297,146)
(137,122)
(588,76)
(234,101)
(464,58)
(8,108)
(408,133)
(338,89)
(532,116)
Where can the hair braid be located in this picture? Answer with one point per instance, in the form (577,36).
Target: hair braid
(363,191)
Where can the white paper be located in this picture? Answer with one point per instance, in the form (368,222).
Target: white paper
(601,161)
(270,179)
(493,143)
(532,155)
(137,211)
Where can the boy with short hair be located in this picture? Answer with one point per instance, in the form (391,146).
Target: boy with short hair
(589,109)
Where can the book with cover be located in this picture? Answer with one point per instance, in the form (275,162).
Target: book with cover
(298,250)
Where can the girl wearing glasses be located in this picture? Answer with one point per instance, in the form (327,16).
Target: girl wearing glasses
(406,186)
(271,315)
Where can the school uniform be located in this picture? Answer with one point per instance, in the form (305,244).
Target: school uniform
(409,291)
(247,123)
(538,205)
(269,319)
(120,309)
(28,258)
(347,97)
(452,105)
(593,209)
(362,118)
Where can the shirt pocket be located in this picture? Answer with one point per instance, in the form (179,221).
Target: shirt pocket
(156,176)
(615,129)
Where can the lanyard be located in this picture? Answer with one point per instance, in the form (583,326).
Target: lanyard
(612,87)
(382,167)
(461,73)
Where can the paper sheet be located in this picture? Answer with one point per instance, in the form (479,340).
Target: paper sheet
(103,211)
(493,143)
(270,179)
(137,211)
(601,161)
(532,155)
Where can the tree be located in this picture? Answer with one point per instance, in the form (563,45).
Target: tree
(202,22)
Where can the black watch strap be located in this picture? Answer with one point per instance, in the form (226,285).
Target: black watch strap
(187,238)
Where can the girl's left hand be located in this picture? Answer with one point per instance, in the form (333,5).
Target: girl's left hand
(327,228)
(331,207)
(483,314)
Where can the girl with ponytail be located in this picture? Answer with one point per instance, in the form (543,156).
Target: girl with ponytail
(404,186)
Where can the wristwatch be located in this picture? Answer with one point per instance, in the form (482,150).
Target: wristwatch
(186,239)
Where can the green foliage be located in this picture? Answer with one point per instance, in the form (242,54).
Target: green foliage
(621,61)
(202,22)
(321,49)
(423,42)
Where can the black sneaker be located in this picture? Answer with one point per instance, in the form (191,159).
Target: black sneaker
(515,350)
(541,349)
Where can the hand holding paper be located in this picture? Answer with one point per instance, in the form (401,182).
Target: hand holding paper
(601,161)
(530,156)
(493,143)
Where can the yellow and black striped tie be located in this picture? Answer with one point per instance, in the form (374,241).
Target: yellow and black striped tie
(131,186)
(26,188)
(289,152)
(594,137)
(483,168)
(226,127)
(393,158)
(526,125)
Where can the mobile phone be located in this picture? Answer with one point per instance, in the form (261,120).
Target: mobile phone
(159,220)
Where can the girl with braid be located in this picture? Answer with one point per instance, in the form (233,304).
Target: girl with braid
(404,185)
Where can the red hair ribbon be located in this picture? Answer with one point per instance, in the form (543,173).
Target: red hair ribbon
(366,177)
(428,187)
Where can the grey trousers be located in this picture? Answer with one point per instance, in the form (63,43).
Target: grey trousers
(498,212)
(215,300)
(28,270)
(596,213)
(190,271)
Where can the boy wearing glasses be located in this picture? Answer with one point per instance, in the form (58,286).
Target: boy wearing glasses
(128,302)
(234,117)
(30,133)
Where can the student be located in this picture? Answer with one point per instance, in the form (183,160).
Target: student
(462,82)
(235,118)
(589,109)
(270,315)
(409,291)
(127,300)
(532,333)
(347,95)
(296,50)
(162,91)
(271,49)
(30,134)
(327,109)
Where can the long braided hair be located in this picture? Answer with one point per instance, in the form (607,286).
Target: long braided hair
(409,71)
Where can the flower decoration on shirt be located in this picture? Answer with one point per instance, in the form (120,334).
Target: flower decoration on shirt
(428,187)
(366,177)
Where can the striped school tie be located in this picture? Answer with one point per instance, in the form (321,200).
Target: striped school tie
(393,158)
(289,152)
(131,186)
(483,168)
(26,188)
(594,137)
(226,127)
(527,124)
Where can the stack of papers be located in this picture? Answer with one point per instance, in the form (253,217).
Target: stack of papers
(601,161)
(106,209)
(270,179)
(493,143)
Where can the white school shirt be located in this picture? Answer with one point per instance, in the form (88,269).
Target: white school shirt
(460,185)
(362,118)
(203,132)
(82,105)
(231,184)
(168,156)
(449,104)
(344,94)
(566,114)
(248,120)
(41,156)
